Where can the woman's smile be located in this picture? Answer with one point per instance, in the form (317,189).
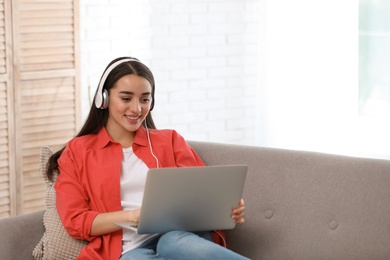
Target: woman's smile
(133,118)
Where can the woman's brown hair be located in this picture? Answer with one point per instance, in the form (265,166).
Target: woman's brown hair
(97,118)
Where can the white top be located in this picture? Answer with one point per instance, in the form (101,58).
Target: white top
(133,177)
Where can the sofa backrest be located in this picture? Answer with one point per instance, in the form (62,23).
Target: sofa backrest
(19,235)
(306,205)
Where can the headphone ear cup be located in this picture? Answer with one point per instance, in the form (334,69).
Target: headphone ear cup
(105,99)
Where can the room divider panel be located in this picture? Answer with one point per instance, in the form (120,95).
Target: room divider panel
(39,94)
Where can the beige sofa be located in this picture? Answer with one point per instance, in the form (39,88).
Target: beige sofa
(299,205)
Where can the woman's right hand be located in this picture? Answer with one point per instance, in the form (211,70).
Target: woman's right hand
(104,222)
(134,215)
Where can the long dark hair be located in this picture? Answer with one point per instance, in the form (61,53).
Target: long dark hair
(97,118)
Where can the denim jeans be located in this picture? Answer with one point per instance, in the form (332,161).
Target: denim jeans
(181,245)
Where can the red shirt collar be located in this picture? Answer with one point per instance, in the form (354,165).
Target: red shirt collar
(104,138)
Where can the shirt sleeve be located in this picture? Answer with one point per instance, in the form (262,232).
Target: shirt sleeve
(185,155)
(71,198)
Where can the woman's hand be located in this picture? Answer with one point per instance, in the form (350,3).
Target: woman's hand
(134,215)
(238,213)
(104,222)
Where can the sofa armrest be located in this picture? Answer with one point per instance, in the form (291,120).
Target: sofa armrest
(19,235)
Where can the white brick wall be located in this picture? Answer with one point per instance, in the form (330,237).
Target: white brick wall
(203,54)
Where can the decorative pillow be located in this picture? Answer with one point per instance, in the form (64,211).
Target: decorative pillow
(56,243)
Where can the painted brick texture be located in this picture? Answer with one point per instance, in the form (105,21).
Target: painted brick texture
(203,55)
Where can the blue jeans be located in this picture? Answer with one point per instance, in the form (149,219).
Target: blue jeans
(181,245)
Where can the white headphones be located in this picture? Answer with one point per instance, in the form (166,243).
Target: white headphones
(101,98)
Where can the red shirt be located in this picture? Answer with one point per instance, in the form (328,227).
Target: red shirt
(89,181)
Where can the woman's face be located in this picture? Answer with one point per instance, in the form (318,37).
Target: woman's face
(129,104)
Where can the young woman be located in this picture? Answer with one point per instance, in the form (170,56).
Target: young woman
(103,172)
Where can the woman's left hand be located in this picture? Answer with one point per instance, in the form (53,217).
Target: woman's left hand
(238,213)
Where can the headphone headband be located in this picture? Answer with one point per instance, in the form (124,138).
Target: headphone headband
(101,98)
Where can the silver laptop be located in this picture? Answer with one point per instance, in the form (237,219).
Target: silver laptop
(190,198)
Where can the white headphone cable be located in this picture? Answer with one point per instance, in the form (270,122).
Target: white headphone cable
(150,145)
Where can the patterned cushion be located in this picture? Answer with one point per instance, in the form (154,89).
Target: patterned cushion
(56,242)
